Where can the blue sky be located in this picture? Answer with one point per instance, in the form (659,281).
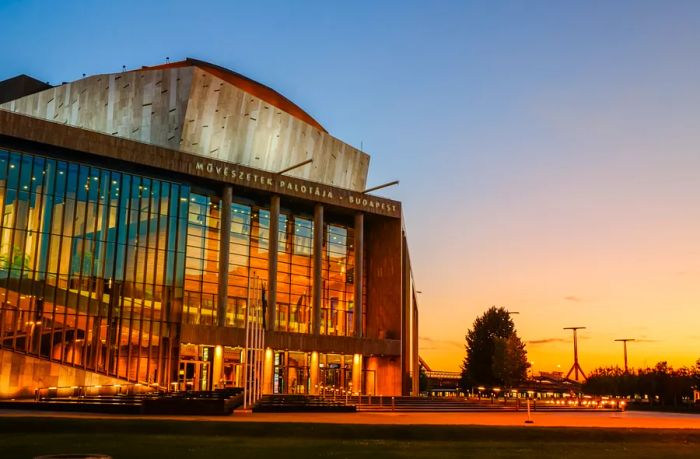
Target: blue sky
(546,150)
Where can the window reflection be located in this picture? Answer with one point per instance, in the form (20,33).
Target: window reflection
(88,265)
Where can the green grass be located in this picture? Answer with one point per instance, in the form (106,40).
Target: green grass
(137,438)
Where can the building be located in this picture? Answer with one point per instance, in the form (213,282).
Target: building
(151,224)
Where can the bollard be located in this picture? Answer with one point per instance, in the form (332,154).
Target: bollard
(393,404)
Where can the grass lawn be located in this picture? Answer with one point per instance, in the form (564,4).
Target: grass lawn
(137,438)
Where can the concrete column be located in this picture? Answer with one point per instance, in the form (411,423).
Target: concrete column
(224,242)
(317,260)
(414,342)
(357,374)
(268,369)
(405,318)
(217,367)
(272,263)
(313,373)
(359,266)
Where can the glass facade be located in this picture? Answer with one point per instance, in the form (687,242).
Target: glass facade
(338,282)
(99,267)
(248,258)
(295,274)
(90,265)
(202,260)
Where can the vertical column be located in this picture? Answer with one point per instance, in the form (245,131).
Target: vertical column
(313,373)
(217,367)
(359,266)
(405,318)
(224,243)
(414,342)
(357,374)
(267,371)
(318,259)
(272,263)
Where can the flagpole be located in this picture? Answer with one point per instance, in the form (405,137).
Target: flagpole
(246,393)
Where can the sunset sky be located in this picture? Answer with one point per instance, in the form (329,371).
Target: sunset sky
(548,152)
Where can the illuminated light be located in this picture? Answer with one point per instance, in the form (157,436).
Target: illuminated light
(12,166)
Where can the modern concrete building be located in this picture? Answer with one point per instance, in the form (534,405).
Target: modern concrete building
(153,233)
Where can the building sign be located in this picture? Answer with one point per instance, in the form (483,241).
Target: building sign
(252,178)
(50,133)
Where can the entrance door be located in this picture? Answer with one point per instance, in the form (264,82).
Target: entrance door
(193,375)
(332,378)
(297,378)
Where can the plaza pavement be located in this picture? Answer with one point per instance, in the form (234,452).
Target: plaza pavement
(603,419)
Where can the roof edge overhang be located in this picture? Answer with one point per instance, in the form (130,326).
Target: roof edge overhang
(246,84)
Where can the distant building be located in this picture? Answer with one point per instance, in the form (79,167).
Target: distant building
(147,215)
(440,383)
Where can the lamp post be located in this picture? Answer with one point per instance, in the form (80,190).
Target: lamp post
(624,344)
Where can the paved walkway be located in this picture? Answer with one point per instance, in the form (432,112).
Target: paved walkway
(628,419)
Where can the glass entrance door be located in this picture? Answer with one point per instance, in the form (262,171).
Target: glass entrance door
(193,375)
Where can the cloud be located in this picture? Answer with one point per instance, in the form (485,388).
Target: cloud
(548,341)
(644,339)
(573,298)
(428,343)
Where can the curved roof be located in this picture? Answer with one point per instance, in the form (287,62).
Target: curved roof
(248,85)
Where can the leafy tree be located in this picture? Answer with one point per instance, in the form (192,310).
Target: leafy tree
(509,363)
(478,365)
(662,383)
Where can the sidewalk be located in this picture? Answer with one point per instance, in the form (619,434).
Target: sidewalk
(628,419)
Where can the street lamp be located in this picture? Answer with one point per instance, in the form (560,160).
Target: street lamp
(624,343)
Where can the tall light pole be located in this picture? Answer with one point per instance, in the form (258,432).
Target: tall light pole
(575,367)
(624,343)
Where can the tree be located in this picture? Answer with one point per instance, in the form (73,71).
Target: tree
(509,363)
(478,365)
